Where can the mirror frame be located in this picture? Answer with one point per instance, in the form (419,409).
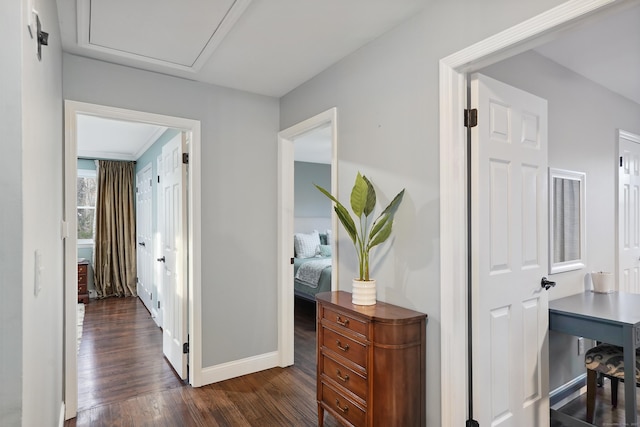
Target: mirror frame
(580,262)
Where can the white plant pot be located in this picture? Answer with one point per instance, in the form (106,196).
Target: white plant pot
(364,292)
(603,282)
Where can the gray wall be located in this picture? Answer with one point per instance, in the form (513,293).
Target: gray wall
(308,201)
(11,222)
(239,137)
(583,120)
(31,335)
(388,127)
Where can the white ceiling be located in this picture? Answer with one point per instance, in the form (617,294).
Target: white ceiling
(263,46)
(100,138)
(272,46)
(606,51)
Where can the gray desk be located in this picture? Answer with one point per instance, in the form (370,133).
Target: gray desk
(612,318)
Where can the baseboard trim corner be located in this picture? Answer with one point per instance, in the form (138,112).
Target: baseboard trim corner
(567,392)
(237,368)
(61,417)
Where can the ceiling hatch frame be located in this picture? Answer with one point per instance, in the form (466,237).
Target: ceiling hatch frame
(219,32)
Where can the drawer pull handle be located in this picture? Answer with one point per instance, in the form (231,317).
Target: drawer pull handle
(341,378)
(345,348)
(344,409)
(341,322)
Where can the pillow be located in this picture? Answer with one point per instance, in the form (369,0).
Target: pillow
(323,239)
(305,244)
(324,250)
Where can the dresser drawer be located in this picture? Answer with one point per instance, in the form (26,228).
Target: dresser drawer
(342,405)
(346,377)
(82,269)
(82,279)
(82,289)
(346,347)
(340,319)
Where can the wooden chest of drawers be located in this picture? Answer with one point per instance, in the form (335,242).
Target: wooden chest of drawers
(83,292)
(371,362)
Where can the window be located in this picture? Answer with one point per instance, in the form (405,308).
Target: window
(87,191)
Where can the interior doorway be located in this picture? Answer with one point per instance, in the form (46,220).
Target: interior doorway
(73,110)
(453,180)
(286,220)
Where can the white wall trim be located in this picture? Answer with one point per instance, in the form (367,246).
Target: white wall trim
(623,134)
(61,417)
(286,140)
(453,184)
(571,390)
(237,368)
(72,109)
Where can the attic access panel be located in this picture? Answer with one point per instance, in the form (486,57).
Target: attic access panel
(176,33)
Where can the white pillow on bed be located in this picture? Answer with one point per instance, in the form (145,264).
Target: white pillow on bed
(305,245)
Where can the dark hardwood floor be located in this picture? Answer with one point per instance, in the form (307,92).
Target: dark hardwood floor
(605,414)
(124,380)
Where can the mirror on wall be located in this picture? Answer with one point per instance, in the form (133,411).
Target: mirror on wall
(566,220)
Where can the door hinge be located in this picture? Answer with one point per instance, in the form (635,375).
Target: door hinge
(185,348)
(137,280)
(620,161)
(158,305)
(150,182)
(291,261)
(471,118)
(185,158)
(158,179)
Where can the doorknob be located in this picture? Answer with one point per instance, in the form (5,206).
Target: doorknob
(546,284)
(162,260)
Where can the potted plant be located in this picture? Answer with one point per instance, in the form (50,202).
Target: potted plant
(365,233)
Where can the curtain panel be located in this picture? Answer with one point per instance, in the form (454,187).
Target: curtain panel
(115,241)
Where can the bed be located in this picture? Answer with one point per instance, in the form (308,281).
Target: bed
(312,264)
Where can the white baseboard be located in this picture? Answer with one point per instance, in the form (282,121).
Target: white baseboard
(237,368)
(61,417)
(568,392)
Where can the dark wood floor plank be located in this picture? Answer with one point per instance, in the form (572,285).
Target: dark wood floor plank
(124,380)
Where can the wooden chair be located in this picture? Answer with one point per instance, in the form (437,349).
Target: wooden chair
(607,360)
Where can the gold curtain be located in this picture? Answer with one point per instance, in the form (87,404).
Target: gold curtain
(115,241)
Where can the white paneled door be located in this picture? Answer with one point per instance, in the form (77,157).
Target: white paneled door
(509,247)
(174,255)
(144,239)
(628,212)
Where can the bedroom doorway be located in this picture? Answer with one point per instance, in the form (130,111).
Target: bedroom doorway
(307,152)
(190,239)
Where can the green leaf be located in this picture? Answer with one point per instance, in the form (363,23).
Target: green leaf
(382,235)
(380,222)
(370,204)
(393,206)
(326,193)
(359,195)
(347,221)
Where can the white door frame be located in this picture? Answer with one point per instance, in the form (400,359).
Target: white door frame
(72,110)
(286,140)
(453,183)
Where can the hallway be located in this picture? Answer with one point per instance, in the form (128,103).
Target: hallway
(124,379)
